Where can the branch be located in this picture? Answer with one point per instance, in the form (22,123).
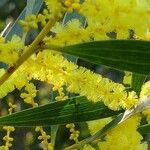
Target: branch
(34,47)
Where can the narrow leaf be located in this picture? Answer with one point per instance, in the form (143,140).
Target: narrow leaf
(77,109)
(137,82)
(144,129)
(29,10)
(130,55)
(16,28)
(29,7)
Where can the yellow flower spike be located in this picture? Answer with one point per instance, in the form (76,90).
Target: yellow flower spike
(24,25)
(2,39)
(84,82)
(146,92)
(7,138)
(129,138)
(41,18)
(37,129)
(67,3)
(87,147)
(76,6)
(11,50)
(127,78)
(70,10)
(71,125)
(77,1)
(74,133)
(9,129)
(30,95)
(44,137)
(72,130)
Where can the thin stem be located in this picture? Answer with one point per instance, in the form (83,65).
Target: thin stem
(34,47)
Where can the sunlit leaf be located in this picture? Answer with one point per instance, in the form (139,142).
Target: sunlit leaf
(130,55)
(76,109)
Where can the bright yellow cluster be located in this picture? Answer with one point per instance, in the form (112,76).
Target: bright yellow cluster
(7,138)
(11,107)
(54,9)
(72,5)
(124,136)
(2,40)
(29,22)
(30,95)
(104,19)
(60,72)
(146,92)
(82,81)
(117,15)
(74,133)
(17,80)
(61,94)
(97,125)
(44,137)
(87,147)
(29,99)
(127,78)
(8,130)
(10,51)
(72,29)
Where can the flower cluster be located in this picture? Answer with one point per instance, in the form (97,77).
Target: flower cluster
(104,17)
(29,97)
(44,137)
(9,129)
(129,138)
(74,133)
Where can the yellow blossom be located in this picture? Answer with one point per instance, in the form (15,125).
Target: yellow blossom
(29,97)
(146,92)
(124,136)
(97,125)
(88,147)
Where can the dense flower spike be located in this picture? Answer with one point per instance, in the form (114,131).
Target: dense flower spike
(97,88)
(146,92)
(124,136)
(29,97)
(44,137)
(88,147)
(74,133)
(8,130)
(60,72)
(11,50)
(96,125)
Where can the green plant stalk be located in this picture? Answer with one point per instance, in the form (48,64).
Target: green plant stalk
(34,47)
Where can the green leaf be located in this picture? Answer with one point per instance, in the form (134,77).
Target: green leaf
(144,129)
(29,7)
(68,17)
(77,109)
(137,82)
(29,10)
(16,28)
(130,55)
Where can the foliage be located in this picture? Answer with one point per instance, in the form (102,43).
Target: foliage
(100,32)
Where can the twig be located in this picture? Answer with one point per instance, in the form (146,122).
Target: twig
(34,47)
